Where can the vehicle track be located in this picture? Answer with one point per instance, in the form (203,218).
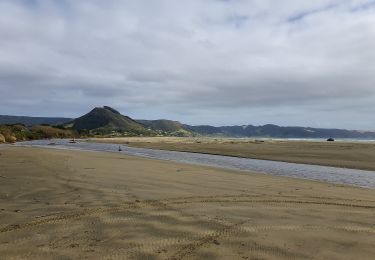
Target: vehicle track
(62,217)
(261,228)
(243,199)
(190,248)
(233,229)
(129,206)
(278,202)
(262,196)
(167,203)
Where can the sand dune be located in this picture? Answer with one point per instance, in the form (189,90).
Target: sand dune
(73,205)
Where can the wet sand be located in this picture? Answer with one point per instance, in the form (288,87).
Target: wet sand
(70,204)
(354,155)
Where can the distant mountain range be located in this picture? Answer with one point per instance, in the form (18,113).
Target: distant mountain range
(106,120)
(275,131)
(31,121)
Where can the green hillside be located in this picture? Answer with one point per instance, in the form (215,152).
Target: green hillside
(167,127)
(106,120)
(19,132)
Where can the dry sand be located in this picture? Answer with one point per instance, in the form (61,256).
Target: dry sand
(353,155)
(59,204)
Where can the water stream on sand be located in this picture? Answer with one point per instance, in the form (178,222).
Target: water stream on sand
(353,177)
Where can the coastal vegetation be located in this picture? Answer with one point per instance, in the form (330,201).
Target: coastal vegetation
(19,132)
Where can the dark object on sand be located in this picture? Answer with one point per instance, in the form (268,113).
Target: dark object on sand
(72,141)
(330,140)
(119,148)
(52,144)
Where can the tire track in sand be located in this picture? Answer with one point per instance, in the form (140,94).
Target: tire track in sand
(52,219)
(231,230)
(68,216)
(166,203)
(190,248)
(240,199)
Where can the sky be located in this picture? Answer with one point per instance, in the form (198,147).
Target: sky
(217,62)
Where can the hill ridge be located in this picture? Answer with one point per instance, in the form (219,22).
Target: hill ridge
(31,120)
(106,120)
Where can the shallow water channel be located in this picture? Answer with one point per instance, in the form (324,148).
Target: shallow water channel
(353,177)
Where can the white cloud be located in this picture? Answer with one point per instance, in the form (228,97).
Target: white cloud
(203,61)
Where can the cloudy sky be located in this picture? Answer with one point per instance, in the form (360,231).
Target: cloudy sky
(219,62)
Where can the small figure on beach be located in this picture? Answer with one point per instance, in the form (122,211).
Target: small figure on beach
(119,148)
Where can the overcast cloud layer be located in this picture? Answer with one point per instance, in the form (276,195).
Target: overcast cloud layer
(288,62)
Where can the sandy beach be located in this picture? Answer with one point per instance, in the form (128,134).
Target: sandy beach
(354,155)
(61,204)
